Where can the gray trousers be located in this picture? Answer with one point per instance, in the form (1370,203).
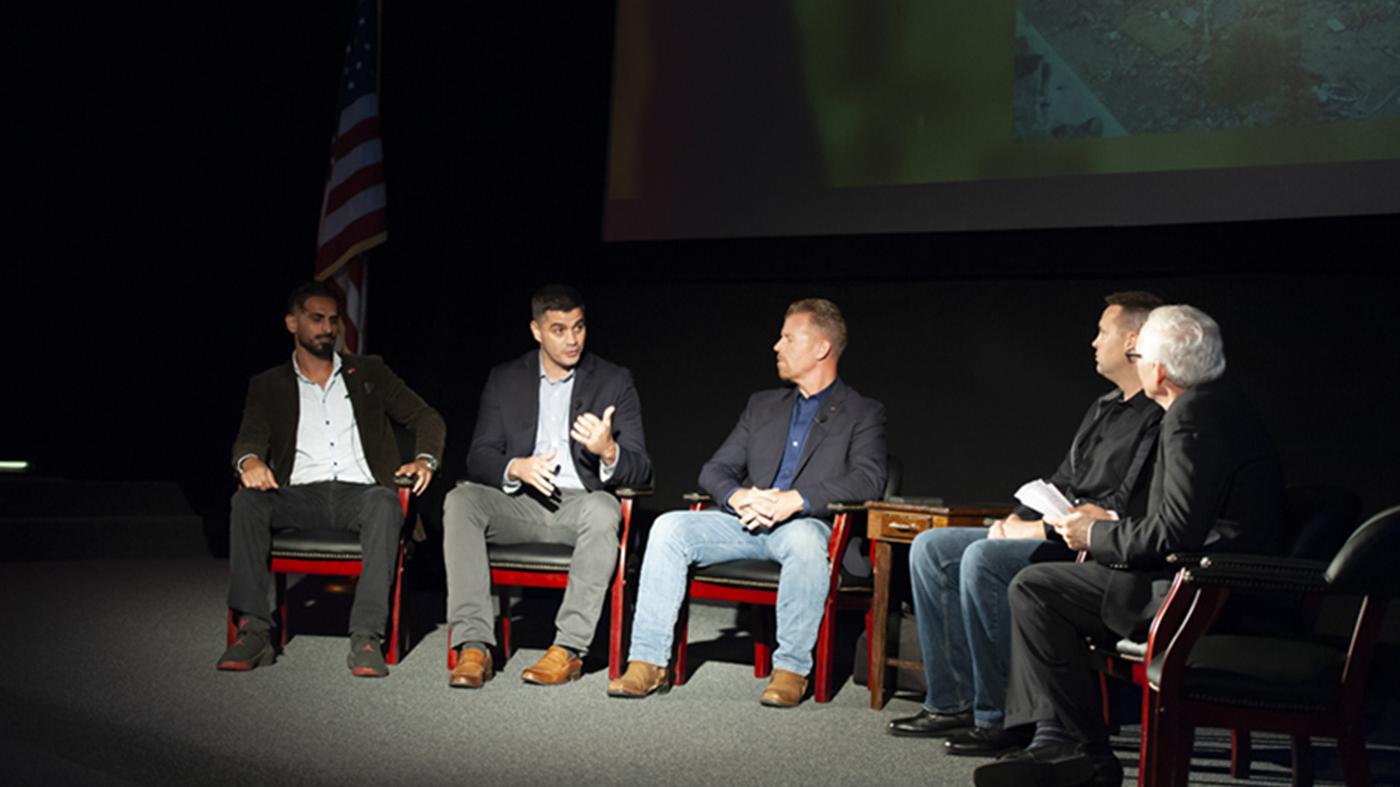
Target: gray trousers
(474,515)
(371,510)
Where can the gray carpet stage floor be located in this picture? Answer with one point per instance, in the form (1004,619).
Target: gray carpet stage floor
(107,677)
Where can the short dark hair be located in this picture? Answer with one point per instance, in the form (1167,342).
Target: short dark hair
(827,317)
(312,289)
(554,298)
(1137,304)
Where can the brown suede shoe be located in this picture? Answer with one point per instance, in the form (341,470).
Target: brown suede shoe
(639,680)
(473,669)
(785,689)
(556,667)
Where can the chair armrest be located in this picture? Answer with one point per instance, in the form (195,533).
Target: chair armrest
(696,497)
(1184,558)
(846,506)
(633,492)
(1259,572)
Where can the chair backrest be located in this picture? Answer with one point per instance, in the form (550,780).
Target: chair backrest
(894,476)
(1318,520)
(1367,561)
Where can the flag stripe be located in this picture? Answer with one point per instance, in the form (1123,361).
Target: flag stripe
(357,135)
(362,180)
(355,208)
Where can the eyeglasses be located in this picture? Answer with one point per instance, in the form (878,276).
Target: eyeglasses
(1132,356)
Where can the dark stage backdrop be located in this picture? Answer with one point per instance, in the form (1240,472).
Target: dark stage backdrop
(171,170)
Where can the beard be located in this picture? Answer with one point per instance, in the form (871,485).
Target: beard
(322,348)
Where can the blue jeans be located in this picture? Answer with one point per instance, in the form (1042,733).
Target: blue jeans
(680,538)
(960,579)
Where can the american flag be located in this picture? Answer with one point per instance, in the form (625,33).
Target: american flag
(353,219)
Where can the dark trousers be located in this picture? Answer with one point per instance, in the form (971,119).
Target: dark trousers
(371,510)
(1054,607)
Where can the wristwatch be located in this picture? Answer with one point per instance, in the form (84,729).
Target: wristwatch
(429,460)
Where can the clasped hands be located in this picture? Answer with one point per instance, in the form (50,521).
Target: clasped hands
(1074,526)
(594,433)
(764,507)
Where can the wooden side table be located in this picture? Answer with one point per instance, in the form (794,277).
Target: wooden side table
(897,523)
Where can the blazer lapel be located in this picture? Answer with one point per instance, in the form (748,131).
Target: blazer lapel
(831,410)
(770,438)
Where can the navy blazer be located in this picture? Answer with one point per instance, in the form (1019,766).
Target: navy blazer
(842,460)
(1217,487)
(509,417)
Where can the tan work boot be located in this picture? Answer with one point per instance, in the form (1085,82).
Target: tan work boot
(785,689)
(473,669)
(639,680)
(556,667)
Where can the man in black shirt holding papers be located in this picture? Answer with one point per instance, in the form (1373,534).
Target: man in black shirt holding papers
(960,575)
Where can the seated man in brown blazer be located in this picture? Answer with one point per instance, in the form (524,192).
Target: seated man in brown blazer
(316,450)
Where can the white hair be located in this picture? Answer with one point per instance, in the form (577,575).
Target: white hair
(1186,341)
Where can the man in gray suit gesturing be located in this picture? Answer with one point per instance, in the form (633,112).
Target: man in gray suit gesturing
(794,451)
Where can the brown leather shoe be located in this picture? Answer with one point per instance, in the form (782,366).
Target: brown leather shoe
(639,680)
(473,669)
(785,689)
(556,667)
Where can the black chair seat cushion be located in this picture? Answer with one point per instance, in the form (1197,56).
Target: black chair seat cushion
(316,545)
(1260,672)
(530,557)
(763,574)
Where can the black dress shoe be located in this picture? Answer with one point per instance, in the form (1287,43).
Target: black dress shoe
(1055,765)
(927,724)
(987,742)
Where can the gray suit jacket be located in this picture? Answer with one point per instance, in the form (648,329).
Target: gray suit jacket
(842,460)
(1217,487)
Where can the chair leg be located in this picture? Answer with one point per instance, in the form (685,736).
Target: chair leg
(762,633)
(1356,767)
(451,651)
(1303,761)
(619,604)
(281,584)
(682,635)
(1241,754)
(1183,744)
(395,637)
(1149,740)
(504,595)
(826,648)
(232,626)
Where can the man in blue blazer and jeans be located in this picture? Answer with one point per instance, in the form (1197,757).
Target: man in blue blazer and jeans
(794,451)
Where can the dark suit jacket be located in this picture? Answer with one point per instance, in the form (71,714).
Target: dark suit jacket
(378,397)
(1217,487)
(510,413)
(842,460)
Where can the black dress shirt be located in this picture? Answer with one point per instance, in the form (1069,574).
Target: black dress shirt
(1110,459)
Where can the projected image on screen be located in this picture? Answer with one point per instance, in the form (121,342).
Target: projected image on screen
(787,117)
(1121,67)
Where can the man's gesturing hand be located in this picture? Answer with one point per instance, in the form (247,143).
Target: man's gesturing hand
(596,434)
(537,471)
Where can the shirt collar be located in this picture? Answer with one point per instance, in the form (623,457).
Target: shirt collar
(296,367)
(566,378)
(819,396)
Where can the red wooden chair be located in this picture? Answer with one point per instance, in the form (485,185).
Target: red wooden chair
(756,582)
(1318,520)
(331,553)
(547,566)
(1300,685)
